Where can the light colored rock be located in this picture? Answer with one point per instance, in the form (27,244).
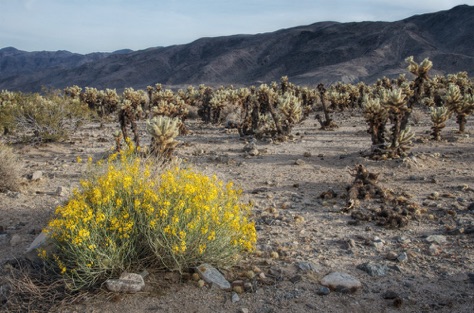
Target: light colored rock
(128,282)
(15,240)
(341,281)
(39,241)
(37,175)
(235,297)
(439,239)
(213,276)
(300,162)
(373,269)
(434,249)
(308,267)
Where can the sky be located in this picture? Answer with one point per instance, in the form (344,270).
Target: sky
(85,26)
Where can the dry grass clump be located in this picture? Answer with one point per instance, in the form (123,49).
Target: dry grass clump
(29,287)
(9,169)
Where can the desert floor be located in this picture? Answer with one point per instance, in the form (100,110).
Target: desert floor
(299,191)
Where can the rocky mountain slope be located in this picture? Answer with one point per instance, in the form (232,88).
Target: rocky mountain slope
(321,52)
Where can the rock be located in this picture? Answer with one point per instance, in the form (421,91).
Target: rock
(434,249)
(15,240)
(323,291)
(341,282)
(3,238)
(373,269)
(307,154)
(402,257)
(439,239)
(13,194)
(308,267)
(39,242)
(235,297)
(391,255)
(213,276)
(300,162)
(61,191)
(37,175)
(251,148)
(244,310)
(378,243)
(128,282)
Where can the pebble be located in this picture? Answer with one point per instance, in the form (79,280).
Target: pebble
(402,257)
(300,162)
(340,281)
(128,282)
(15,240)
(373,269)
(235,297)
(439,239)
(37,175)
(434,249)
(391,255)
(3,238)
(244,310)
(323,291)
(307,267)
(212,276)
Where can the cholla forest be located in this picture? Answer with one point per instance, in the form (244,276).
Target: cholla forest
(165,180)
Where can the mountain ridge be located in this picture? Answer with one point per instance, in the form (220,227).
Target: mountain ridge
(309,54)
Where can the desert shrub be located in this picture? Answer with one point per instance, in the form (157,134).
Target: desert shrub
(128,216)
(9,169)
(8,104)
(52,118)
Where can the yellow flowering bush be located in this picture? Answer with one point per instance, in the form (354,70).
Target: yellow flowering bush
(128,215)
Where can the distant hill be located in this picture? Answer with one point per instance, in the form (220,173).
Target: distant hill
(322,52)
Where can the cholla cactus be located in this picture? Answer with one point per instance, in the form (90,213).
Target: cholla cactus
(163,131)
(290,108)
(462,106)
(419,70)
(439,116)
(110,100)
(327,123)
(129,113)
(403,143)
(219,99)
(376,117)
(73,91)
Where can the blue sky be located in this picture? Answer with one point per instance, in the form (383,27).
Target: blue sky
(85,26)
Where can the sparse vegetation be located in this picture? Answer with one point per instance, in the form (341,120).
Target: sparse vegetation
(129,215)
(10,167)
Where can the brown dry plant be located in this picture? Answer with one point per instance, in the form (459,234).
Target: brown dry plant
(9,169)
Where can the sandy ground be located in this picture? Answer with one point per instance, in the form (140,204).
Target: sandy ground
(285,182)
